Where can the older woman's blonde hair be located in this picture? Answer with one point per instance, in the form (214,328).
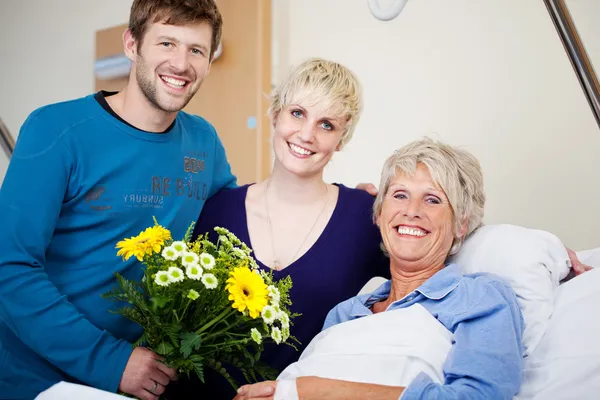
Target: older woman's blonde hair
(317,80)
(456,171)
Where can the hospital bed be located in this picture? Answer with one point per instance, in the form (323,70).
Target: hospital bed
(562,326)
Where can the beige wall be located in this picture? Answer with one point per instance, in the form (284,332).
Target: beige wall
(490,76)
(47,53)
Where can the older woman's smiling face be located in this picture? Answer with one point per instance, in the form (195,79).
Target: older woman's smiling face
(416,221)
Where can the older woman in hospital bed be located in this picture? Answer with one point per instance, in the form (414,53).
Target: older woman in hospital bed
(443,326)
(431,331)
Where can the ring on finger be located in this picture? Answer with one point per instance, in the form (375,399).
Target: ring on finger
(153,390)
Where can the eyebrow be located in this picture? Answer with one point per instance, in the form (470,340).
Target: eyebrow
(338,120)
(172,39)
(427,189)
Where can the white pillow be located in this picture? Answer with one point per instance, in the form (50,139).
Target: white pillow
(566,363)
(531,261)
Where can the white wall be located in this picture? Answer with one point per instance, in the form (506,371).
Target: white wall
(490,76)
(47,53)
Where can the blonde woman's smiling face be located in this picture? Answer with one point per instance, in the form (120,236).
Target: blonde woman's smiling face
(306,137)
(416,220)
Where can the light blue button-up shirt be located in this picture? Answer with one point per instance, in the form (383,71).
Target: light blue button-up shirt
(481,310)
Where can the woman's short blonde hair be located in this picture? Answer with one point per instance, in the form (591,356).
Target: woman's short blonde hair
(317,80)
(456,171)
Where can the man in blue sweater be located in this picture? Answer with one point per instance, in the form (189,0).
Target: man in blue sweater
(87,173)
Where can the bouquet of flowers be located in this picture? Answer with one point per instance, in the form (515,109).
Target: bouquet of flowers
(203,304)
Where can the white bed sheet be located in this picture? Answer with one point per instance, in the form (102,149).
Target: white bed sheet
(566,364)
(71,391)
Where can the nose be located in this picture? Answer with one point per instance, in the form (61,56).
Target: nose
(413,208)
(306,133)
(179,61)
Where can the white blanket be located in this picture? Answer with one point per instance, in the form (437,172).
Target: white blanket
(388,348)
(71,391)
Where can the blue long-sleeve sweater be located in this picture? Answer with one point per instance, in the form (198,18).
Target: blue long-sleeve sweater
(79,181)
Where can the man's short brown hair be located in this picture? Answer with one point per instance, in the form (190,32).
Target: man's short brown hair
(175,12)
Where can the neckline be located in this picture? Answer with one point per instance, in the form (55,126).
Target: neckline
(308,254)
(129,129)
(101,96)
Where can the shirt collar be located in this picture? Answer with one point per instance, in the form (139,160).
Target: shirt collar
(435,288)
(441,283)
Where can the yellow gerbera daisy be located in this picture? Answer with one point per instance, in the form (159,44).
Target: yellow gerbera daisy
(248,291)
(149,241)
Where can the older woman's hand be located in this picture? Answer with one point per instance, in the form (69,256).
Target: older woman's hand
(578,267)
(257,391)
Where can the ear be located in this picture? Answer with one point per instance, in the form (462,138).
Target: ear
(463,228)
(378,220)
(274,117)
(129,45)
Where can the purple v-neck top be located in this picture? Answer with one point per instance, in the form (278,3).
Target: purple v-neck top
(334,269)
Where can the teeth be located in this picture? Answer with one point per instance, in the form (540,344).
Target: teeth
(300,150)
(403,230)
(173,81)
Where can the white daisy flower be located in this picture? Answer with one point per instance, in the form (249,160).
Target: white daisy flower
(175,274)
(207,261)
(210,281)
(256,336)
(162,278)
(268,314)
(194,271)
(169,253)
(285,320)
(276,335)
(277,309)
(179,247)
(189,258)
(274,294)
(285,333)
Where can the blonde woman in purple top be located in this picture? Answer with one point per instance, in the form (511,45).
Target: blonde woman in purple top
(320,234)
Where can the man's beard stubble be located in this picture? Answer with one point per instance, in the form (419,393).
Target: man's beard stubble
(149,90)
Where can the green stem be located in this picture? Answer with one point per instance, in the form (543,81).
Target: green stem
(227,344)
(186,307)
(224,314)
(213,334)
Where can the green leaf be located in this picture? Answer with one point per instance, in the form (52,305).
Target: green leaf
(164,348)
(198,366)
(141,341)
(189,341)
(159,301)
